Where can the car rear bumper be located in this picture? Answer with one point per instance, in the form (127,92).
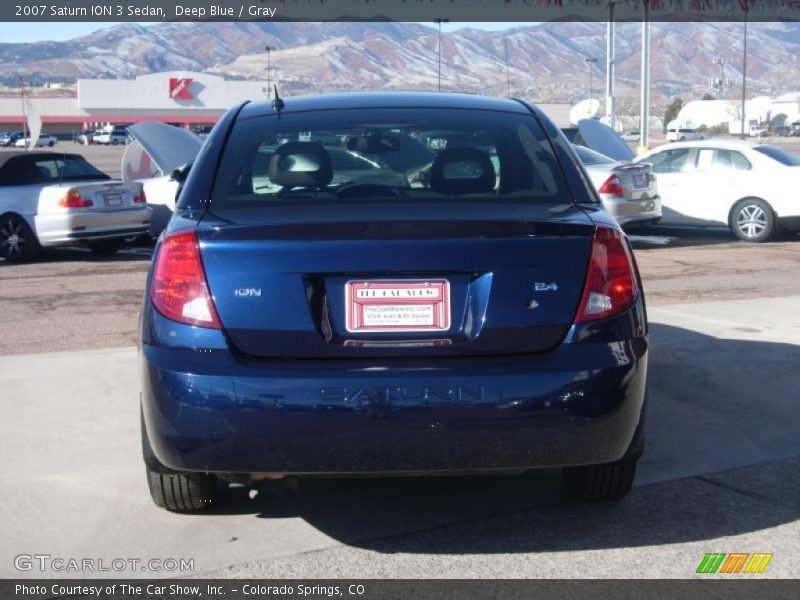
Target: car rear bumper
(207,410)
(92,225)
(628,212)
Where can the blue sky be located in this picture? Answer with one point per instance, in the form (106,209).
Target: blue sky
(35,32)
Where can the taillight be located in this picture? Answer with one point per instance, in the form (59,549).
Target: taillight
(612,186)
(73,199)
(610,286)
(179,290)
(140,197)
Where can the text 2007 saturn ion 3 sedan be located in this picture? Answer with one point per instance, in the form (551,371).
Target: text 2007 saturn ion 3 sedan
(434,288)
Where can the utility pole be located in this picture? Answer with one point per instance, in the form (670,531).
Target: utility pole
(269,73)
(591,62)
(439,22)
(611,108)
(720,62)
(508,80)
(744,68)
(645,82)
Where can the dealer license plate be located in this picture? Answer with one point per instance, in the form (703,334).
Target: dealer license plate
(397,305)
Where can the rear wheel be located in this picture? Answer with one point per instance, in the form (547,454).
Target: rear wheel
(107,247)
(18,242)
(753,220)
(181,492)
(609,481)
(174,490)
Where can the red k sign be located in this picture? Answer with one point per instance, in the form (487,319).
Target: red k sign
(179,88)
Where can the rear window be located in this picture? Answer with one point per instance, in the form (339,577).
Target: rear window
(387,155)
(589,157)
(783,157)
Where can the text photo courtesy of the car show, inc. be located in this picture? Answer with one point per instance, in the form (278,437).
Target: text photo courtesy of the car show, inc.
(453,298)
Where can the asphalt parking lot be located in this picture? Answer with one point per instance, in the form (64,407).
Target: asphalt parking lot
(720,473)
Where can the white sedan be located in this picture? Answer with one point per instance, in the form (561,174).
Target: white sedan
(52,199)
(44,140)
(749,187)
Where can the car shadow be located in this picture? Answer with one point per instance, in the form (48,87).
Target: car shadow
(719,445)
(134,253)
(676,236)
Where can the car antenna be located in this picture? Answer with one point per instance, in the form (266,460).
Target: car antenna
(278,104)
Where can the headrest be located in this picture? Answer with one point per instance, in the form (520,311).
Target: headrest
(458,171)
(300,164)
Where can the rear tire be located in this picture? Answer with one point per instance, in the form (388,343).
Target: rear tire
(174,490)
(107,247)
(18,242)
(181,492)
(608,481)
(753,220)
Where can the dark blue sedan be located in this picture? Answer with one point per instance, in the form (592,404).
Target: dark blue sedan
(431,287)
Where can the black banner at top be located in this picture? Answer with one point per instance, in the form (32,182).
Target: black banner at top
(398,10)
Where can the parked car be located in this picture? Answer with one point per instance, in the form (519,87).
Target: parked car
(683,134)
(10,138)
(114,137)
(85,137)
(467,315)
(747,186)
(44,140)
(632,136)
(628,191)
(53,199)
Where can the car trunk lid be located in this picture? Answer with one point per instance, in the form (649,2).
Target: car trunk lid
(397,287)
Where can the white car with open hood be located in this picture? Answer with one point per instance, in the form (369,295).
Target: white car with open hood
(158,150)
(53,199)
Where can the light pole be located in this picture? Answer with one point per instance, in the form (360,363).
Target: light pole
(744,67)
(611,101)
(24,117)
(591,62)
(508,80)
(439,22)
(644,139)
(269,73)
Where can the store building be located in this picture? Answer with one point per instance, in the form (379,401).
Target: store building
(183,98)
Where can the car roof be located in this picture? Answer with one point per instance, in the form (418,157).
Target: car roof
(385,100)
(723,144)
(7,156)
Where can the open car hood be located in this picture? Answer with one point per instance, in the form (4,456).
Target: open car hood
(601,138)
(158,147)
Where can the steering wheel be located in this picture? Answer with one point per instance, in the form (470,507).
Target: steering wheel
(368,190)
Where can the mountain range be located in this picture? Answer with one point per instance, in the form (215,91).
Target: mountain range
(546,62)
